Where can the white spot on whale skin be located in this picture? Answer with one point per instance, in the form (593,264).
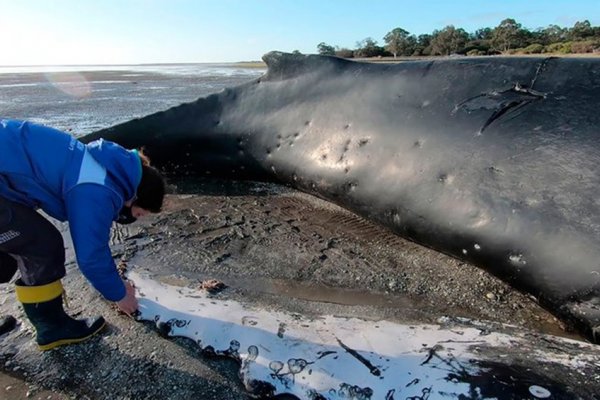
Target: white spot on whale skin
(539,392)
(477,247)
(517,259)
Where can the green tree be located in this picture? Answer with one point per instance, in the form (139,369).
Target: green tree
(368,48)
(581,30)
(448,41)
(477,47)
(552,34)
(535,48)
(563,48)
(325,49)
(483,34)
(411,46)
(479,42)
(508,35)
(422,47)
(396,41)
(344,52)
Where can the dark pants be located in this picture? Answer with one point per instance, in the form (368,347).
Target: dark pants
(29,243)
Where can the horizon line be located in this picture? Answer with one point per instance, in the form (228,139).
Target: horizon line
(127,64)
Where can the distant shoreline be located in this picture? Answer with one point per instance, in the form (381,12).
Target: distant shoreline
(261,64)
(250,64)
(392,60)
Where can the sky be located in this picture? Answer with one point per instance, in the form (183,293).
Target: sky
(64,32)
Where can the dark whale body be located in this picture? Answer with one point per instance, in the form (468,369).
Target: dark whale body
(492,160)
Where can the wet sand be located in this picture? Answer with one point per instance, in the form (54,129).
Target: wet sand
(267,239)
(275,248)
(81,102)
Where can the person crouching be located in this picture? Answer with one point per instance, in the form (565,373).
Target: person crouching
(88,185)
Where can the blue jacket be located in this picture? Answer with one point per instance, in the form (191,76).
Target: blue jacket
(86,185)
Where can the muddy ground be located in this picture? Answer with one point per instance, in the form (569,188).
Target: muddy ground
(274,247)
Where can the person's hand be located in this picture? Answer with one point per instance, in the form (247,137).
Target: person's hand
(129,303)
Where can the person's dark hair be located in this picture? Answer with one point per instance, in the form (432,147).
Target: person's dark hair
(151,190)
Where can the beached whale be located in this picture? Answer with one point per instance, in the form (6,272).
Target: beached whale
(492,160)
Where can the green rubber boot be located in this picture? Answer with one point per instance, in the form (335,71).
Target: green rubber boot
(44,308)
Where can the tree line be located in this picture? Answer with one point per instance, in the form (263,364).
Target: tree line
(509,37)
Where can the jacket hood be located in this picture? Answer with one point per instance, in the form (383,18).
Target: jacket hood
(123,166)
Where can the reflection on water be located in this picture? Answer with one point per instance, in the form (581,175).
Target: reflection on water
(137,70)
(82,99)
